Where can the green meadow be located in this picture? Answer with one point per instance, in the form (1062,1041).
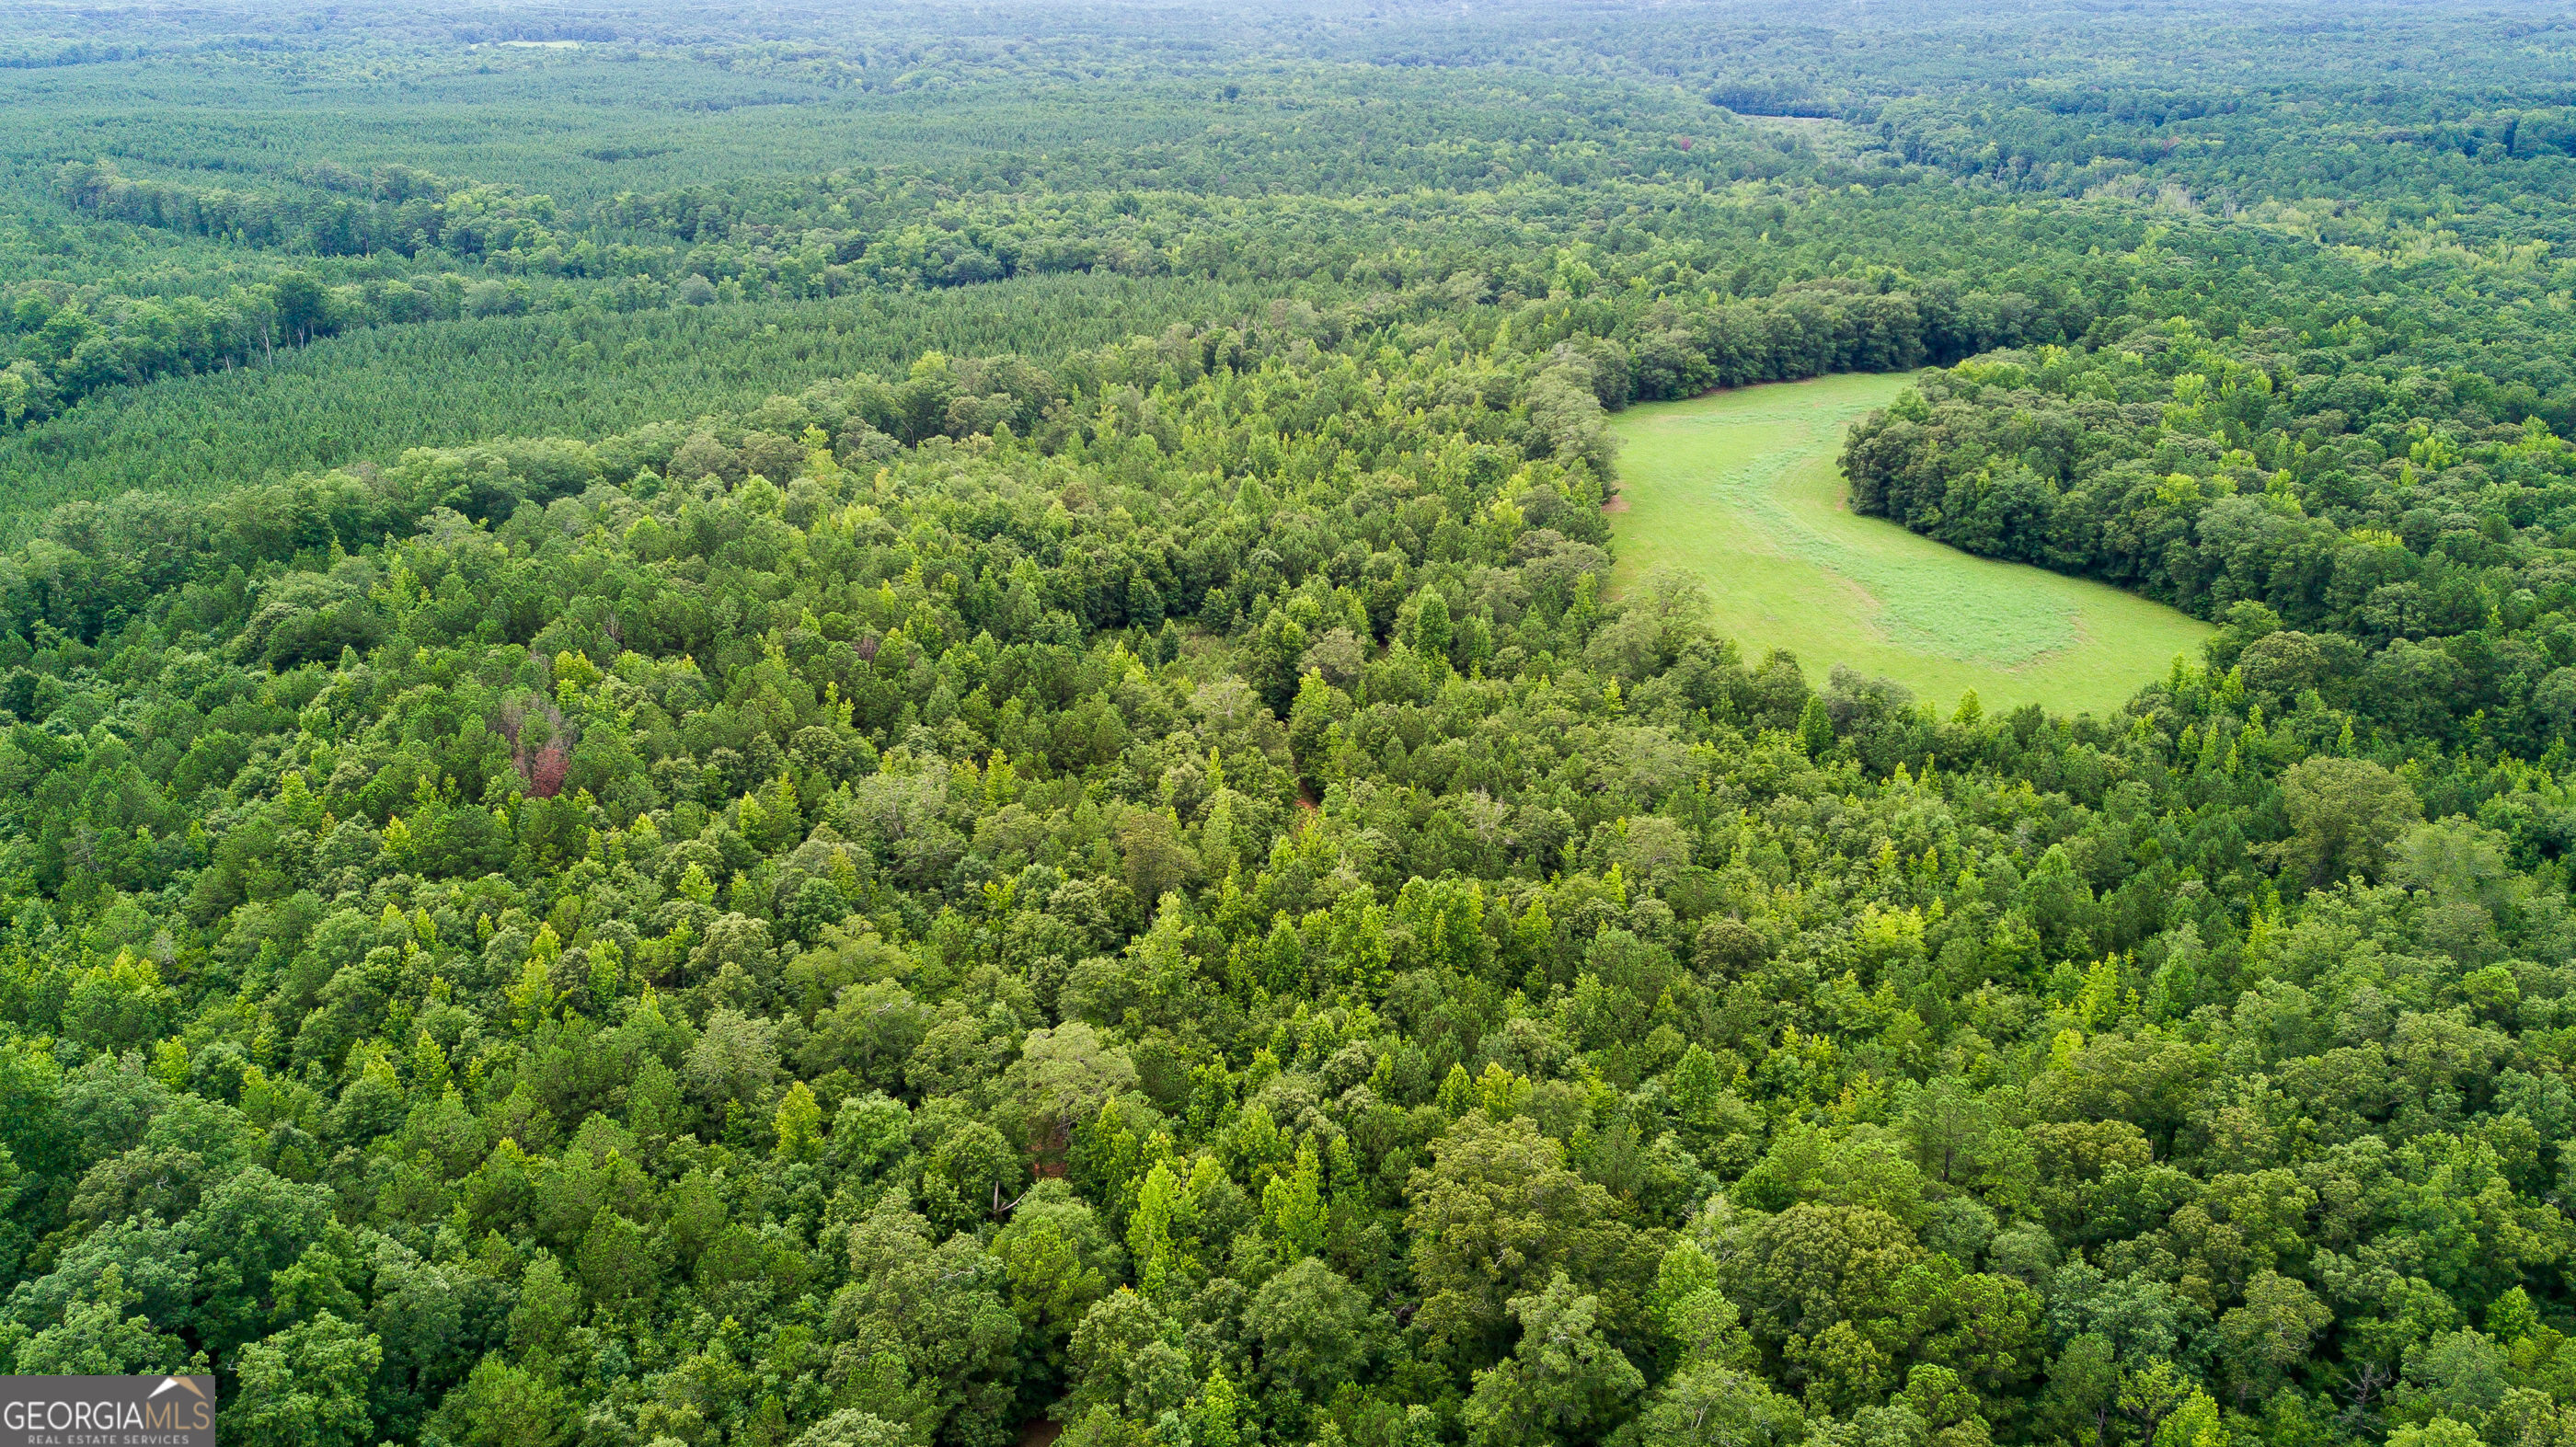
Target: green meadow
(1741,489)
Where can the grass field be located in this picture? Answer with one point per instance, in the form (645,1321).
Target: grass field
(1741,489)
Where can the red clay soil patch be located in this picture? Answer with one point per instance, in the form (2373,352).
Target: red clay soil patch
(1617,504)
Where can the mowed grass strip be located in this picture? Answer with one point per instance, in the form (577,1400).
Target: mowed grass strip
(1741,489)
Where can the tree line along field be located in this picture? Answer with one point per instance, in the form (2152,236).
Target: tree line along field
(765,727)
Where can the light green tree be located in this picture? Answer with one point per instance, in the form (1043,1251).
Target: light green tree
(307,1387)
(1563,1383)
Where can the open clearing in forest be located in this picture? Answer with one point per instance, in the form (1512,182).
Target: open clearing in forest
(1741,489)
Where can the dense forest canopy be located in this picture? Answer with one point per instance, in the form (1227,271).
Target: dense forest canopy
(733,725)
